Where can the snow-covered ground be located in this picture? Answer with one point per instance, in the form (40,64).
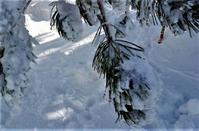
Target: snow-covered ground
(65,92)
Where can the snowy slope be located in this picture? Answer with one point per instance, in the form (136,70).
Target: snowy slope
(178,64)
(65,92)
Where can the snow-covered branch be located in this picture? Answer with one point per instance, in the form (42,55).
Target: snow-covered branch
(17,54)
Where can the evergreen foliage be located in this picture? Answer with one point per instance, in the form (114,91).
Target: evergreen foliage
(178,15)
(66,19)
(108,60)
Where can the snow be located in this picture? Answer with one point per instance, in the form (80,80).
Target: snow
(65,92)
(190,108)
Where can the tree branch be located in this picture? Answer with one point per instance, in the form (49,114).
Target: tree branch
(103,20)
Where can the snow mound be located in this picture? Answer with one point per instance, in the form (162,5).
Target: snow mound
(188,115)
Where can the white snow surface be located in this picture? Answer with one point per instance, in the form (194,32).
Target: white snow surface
(65,92)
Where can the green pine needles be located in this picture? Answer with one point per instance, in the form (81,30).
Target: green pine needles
(57,22)
(107,61)
(178,15)
(109,57)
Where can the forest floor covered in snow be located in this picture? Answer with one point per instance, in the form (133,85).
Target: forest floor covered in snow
(65,92)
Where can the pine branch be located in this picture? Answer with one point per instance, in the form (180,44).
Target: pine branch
(88,13)
(102,19)
(66,19)
(179,16)
(109,57)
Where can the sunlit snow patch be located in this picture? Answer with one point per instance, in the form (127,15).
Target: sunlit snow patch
(84,41)
(63,114)
(37,29)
